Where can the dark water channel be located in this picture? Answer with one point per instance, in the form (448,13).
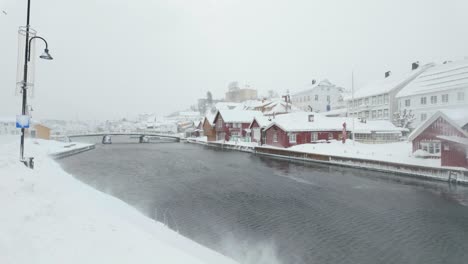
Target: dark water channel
(260,210)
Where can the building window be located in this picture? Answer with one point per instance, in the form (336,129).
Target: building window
(432,147)
(374,100)
(445,98)
(408,102)
(380,99)
(385,113)
(292,138)
(385,98)
(308,98)
(366,114)
(330,136)
(316,97)
(434,99)
(461,96)
(366,101)
(314,136)
(328,98)
(423,116)
(423,100)
(360,102)
(374,114)
(275,137)
(219,124)
(379,114)
(236,125)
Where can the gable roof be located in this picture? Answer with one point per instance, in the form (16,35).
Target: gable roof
(237,116)
(388,84)
(262,121)
(451,75)
(323,83)
(457,115)
(296,122)
(431,120)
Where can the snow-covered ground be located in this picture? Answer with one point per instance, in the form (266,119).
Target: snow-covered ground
(400,152)
(49,217)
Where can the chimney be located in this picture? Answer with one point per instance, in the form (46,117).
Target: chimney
(415,65)
(314,82)
(387,74)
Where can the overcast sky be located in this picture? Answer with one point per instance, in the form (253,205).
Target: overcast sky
(118,58)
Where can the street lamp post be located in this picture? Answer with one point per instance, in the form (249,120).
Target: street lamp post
(24,84)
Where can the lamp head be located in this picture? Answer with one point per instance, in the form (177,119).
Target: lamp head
(46,55)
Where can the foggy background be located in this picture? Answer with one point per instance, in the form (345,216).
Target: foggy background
(119,58)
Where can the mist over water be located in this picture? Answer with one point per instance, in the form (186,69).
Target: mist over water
(259,210)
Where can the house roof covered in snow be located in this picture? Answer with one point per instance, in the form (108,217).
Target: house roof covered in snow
(458,140)
(279,107)
(209,117)
(249,105)
(311,87)
(457,115)
(423,126)
(238,116)
(299,121)
(388,84)
(451,75)
(263,121)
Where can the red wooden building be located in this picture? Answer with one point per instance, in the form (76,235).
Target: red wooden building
(302,128)
(440,137)
(234,124)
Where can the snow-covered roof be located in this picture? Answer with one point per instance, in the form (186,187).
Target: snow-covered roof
(226,105)
(249,105)
(441,77)
(263,121)
(457,115)
(459,140)
(311,87)
(379,126)
(238,116)
(388,84)
(423,126)
(336,112)
(299,121)
(279,107)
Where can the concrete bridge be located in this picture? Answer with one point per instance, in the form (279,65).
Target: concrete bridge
(144,137)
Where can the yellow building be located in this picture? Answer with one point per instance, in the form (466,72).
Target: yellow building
(40,131)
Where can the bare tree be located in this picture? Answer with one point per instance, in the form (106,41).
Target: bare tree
(403,119)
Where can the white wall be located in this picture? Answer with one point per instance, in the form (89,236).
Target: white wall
(423,111)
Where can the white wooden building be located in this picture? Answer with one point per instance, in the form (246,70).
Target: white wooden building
(442,87)
(376,100)
(319,97)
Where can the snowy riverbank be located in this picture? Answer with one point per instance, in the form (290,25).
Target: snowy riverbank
(50,217)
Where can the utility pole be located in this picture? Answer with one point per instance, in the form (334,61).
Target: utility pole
(24,88)
(352,95)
